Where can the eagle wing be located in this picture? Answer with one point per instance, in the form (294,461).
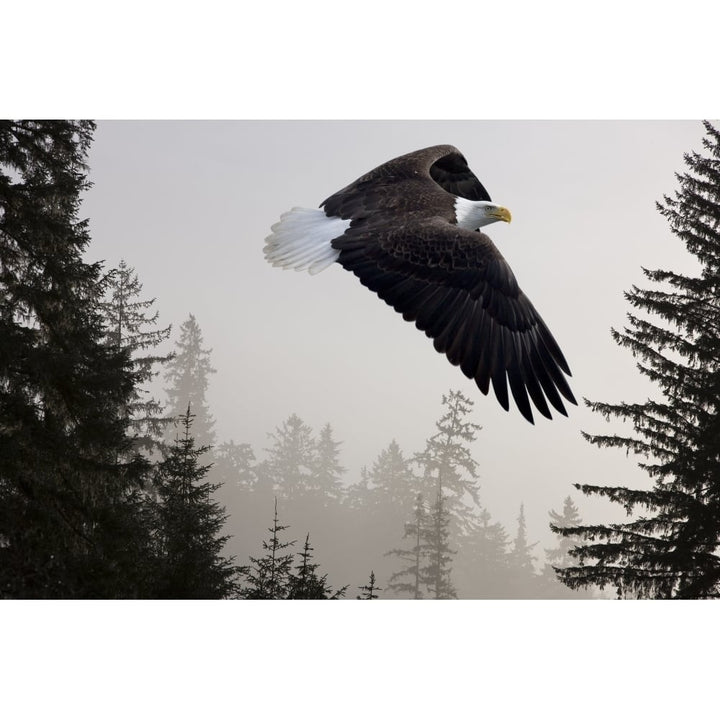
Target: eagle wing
(455,286)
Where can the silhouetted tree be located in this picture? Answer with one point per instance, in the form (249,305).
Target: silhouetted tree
(187,374)
(413,557)
(128,323)
(671,550)
(305,584)
(369,590)
(270,577)
(190,522)
(71,521)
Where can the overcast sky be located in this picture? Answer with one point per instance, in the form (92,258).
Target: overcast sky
(188,205)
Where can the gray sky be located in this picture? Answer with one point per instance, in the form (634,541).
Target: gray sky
(188,205)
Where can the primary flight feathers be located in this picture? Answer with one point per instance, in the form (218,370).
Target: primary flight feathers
(409,230)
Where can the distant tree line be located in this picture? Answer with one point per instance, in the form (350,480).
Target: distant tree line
(105,491)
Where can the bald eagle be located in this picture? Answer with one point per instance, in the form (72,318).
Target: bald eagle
(409,230)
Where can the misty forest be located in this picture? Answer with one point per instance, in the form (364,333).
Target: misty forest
(115,484)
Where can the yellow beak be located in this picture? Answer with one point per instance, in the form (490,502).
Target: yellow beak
(500,213)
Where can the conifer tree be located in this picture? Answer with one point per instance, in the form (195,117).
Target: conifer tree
(369,590)
(270,577)
(188,374)
(670,550)
(484,560)
(521,561)
(449,469)
(71,522)
(408,580)
(128,324)
(436,573)
(560,556)
(189,526)
(391,481)
(306,584)
(289,466)
(326,471)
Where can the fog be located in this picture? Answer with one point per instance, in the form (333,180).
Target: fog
(189,203)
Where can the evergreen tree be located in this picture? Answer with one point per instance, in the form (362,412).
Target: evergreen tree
(270,577)
(559,556)
(71,520)
(129,324)
(326,471)
(189,526)
(671,550)
(291,460)
(369,590)
(306,584)
(448,466)
(188,375)
(436,573)
(391,482)
(414,557)
(522,562)
(484,561)
(235,466)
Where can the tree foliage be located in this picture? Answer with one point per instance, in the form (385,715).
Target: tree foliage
(670,550)
(71,522)
(189,524)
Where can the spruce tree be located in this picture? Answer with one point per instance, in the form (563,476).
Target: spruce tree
(326,470)
(369,590)
(71,521)
(670,550)
(408,580)
(449,469)
(521,562)
(189,525)
(560,556)
(306,584)
(289,466)
(188,374)
(270,576)
(436,573)
(129,324)
(484,561)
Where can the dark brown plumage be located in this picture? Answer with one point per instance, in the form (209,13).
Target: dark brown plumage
(403,242)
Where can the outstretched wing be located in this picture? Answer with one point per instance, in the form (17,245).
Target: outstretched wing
(455,286)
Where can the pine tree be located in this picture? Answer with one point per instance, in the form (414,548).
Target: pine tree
(671,549)
(270,577)
(436,573)
(484,561)
(188,375)
(391,481)
(414,557)
(448,466)
(128,325)
(326,470)
(522,562)
(291,460)
(189,525)
(306,584)
(560,556)
(71,521)
(369,590)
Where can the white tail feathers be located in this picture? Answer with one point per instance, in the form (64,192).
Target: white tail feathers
(301,240)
